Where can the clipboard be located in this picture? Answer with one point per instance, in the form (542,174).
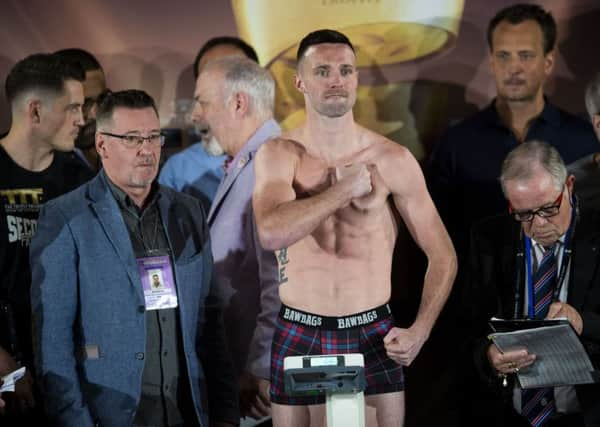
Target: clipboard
(561,358)
(511,325)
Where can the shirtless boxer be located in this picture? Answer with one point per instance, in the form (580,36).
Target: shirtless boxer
(327,200)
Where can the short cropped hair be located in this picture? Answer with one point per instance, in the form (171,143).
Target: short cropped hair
(244,75)
(40,72)
(523,161)
(85,59)
(592,96)
(320,37)
(228,41)
(133,99)
(521,12)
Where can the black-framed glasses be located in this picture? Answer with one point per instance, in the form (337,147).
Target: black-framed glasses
(135,141)
(543,212)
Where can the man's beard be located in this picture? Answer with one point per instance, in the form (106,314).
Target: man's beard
(213,147)
(527,95)
(523,98)
(336,109)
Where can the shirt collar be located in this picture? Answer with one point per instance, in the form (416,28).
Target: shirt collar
(550,114)
(123,199)
(557,245)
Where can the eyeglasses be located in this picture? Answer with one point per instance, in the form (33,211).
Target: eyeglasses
(543,212)
(135,141)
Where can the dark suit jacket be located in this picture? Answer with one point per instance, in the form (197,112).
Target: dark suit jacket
(496,269)
(87,293)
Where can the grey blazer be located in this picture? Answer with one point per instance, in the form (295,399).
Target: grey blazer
(246,274)
(86,294)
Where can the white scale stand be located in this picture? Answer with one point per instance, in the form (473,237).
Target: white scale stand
(341,378)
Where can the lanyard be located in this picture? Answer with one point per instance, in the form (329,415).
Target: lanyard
(139,228)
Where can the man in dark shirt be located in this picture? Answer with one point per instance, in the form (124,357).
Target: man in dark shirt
(111,349)
(36,165)
(466,163)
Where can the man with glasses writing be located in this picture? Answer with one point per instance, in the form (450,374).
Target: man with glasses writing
(540,264)
(112,350)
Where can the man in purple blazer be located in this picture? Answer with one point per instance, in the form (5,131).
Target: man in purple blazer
(235,97)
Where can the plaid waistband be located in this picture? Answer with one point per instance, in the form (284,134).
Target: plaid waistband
(335,323)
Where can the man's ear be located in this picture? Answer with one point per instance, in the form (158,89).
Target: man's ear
(570,182)
(34,111)
(101,145)
(596,124)
(241,102)
(299,83)
(549,63)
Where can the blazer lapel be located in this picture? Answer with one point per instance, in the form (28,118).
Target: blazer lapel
(510,248)
(226,184)
(267,130)
(110,218)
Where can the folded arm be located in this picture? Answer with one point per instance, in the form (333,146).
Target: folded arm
(281,218)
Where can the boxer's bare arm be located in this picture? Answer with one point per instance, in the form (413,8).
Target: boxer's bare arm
(281,218)
(412,200)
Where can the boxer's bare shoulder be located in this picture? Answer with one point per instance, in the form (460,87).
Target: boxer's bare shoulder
(282,149)
(276,163)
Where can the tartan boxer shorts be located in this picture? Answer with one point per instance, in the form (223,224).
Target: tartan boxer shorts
(299,333)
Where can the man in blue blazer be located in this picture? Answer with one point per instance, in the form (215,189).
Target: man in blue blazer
(111,349)
(235,98)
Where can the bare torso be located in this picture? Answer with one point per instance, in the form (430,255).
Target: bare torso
(344,265)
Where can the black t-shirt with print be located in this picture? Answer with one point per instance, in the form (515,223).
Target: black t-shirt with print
(22,193)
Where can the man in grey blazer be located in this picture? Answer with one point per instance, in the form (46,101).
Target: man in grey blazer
(111,350)
(235,97)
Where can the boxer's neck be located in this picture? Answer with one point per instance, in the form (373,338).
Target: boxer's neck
(332,138)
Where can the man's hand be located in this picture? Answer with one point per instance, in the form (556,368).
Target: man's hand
(403,345)
(22,398)
(562,309)
(254,396)
(509,362)
(355,178)
(24,393)
(2,404)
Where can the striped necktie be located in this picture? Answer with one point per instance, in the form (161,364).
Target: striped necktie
(537,404)
(544,282)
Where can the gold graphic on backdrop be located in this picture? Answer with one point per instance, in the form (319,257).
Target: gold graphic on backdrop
(384,32)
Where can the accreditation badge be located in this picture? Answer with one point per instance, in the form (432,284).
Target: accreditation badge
(158,284)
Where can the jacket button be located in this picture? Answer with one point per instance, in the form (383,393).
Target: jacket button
(139,356)
(141,309)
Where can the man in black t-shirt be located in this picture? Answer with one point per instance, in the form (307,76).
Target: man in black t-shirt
(36,165)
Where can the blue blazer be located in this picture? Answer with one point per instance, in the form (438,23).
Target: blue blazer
(89,310)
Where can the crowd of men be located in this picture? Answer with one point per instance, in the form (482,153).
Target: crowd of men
(135,296)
